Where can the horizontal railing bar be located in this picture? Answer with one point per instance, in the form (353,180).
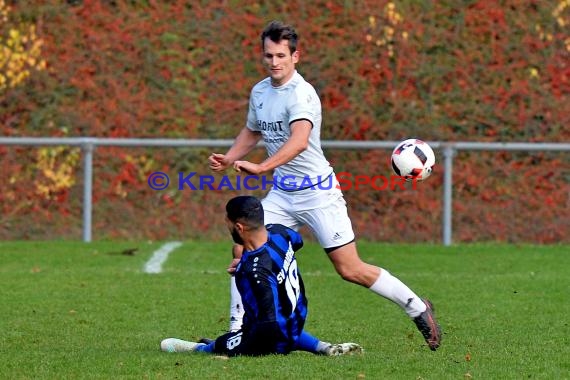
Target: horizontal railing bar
(340,144)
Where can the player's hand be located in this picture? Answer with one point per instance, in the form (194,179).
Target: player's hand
(233,265)
(247,167)
(218,162)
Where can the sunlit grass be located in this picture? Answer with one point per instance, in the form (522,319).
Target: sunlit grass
(76,310)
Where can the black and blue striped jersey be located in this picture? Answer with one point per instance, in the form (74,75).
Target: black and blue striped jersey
(272,290)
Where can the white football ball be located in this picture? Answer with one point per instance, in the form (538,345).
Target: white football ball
(413,159)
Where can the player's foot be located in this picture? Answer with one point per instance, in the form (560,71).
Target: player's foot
(428,326)
(339,349)
(178,345)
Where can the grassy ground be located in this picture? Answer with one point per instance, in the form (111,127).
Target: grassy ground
(76,310)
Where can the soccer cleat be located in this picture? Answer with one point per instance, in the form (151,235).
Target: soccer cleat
(339,349)
(178,345)
(428,326)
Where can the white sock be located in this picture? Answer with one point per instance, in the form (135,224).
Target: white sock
(396,291)
(236,307)
(322,347)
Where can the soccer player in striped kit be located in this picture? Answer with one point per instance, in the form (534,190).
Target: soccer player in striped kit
(272,291)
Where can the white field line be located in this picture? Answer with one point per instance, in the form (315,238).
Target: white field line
(154,265)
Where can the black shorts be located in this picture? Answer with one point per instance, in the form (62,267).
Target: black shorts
(248,344)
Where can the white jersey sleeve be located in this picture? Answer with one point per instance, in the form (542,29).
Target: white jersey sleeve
(304,104)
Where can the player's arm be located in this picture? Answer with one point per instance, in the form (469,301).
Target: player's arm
(297,143)
(237,252)
(243,144)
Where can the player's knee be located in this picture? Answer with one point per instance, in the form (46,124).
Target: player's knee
(349,274)
(358,272)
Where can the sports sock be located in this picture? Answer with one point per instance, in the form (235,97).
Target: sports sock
(307,342)
(236,307)
(322,347)
(209,348)
(396,291)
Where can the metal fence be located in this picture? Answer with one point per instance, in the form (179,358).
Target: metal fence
(449,149)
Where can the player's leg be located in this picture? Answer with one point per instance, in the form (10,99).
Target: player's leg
(242,343)
(310,343)
(333,228)
(230,344)
(236,306)
(351,268)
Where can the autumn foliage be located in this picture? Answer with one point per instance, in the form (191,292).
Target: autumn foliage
(447,71)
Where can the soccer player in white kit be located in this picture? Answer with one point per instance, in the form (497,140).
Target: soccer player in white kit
(285,111)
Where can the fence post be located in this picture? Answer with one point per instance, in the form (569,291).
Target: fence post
(448,153)
(87,149)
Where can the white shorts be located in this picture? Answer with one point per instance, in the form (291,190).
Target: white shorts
(323,211)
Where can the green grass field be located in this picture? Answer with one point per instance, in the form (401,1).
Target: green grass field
(71,310)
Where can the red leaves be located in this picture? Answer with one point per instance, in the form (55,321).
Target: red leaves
(478,71)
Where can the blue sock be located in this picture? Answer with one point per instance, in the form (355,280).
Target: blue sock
(307,342)
(209,348)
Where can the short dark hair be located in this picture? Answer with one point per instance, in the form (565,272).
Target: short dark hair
(245,209)
(277,31)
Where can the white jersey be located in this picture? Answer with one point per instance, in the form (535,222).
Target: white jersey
(271,112)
